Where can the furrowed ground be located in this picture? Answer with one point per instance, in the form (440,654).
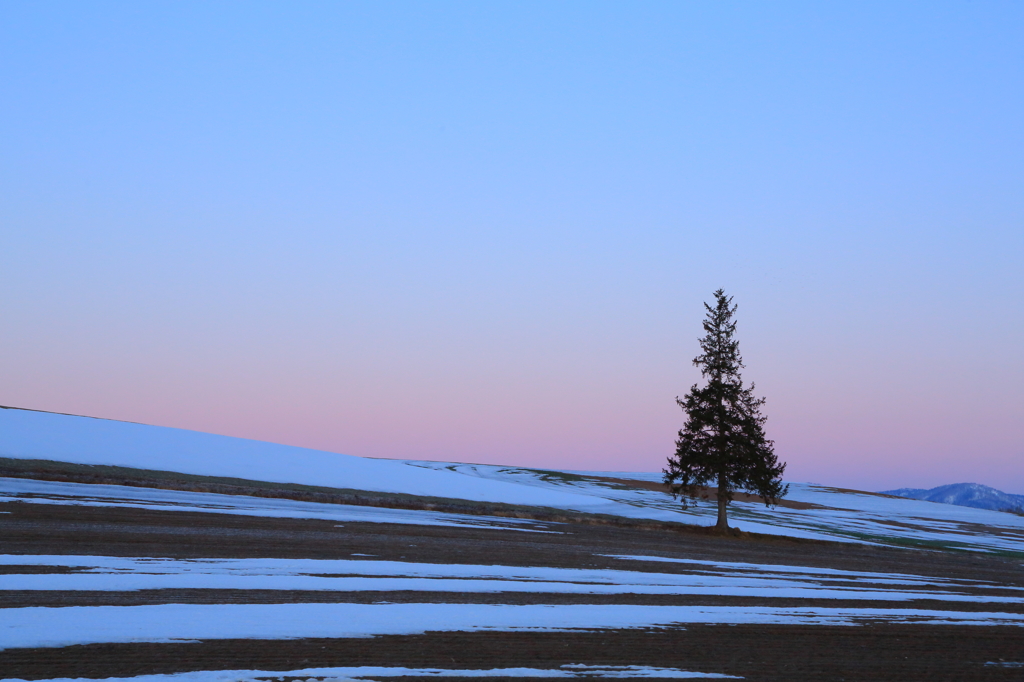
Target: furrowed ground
(759,608)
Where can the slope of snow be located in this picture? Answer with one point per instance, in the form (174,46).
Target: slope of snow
(829,513)
(83,440)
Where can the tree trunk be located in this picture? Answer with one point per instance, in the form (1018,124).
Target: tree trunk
(723,521)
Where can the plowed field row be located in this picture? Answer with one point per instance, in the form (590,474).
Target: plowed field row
(872,651)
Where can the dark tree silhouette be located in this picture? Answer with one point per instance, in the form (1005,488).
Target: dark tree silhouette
(723,442)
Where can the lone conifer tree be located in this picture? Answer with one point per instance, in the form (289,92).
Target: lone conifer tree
(723,440)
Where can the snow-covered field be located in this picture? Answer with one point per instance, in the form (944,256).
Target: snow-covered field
(90,495)
(415,573)
(835,515)
(699,578)
(46,627)
(83,440)
(838,515)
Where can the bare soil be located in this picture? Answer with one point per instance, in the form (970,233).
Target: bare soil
(872,653)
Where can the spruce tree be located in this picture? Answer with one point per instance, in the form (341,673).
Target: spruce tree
(723,441)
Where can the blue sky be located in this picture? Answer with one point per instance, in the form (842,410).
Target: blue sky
(484,231)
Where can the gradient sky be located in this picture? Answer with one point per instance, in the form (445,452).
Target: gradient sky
(484,231)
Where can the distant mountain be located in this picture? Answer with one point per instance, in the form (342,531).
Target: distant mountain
(965,495)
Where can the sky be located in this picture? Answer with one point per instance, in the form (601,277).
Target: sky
(485,231)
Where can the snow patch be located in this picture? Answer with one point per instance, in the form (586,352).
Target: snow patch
(98,573)
(33,627)
(93,495)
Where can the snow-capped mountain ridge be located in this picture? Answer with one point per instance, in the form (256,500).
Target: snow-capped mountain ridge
(965,495)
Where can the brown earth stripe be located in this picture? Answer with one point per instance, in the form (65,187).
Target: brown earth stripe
(53,529)
(876,653)
(25,598)
(164,480)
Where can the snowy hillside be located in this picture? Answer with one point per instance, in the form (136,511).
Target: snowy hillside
(964,494)
(810,511)
(27,434)
(147,554)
